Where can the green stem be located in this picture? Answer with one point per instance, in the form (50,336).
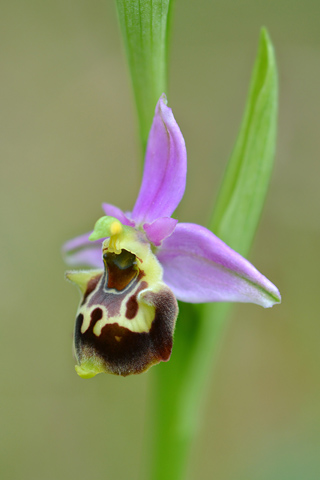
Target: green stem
(145,29)
(179,388)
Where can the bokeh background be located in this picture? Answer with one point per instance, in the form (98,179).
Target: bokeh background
(68,142)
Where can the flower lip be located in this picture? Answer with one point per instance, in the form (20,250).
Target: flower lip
(126,318)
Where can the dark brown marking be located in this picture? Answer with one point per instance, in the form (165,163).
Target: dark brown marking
(93,282)
(132,304)
(96,315)
(132,307)
(136,352)
(162,327)
(122,269)
(109,299)
(77,334)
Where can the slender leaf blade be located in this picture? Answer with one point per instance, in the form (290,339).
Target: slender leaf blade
(144,26)
(242,194)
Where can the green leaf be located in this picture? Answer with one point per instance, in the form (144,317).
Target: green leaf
(181,385)
(144,26)
(242,194)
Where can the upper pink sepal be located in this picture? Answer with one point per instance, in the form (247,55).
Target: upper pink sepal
(165,169)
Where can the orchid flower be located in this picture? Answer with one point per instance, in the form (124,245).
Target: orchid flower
(126,318)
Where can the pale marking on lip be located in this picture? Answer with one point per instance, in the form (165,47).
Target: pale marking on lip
(146,312)
(141,323)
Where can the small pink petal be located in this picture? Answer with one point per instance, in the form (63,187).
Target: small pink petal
(160,229)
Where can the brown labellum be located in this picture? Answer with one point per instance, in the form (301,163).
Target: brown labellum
(126,318)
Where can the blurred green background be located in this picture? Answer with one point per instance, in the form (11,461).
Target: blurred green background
(68,142)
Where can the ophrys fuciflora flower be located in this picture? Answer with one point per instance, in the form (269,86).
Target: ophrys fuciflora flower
(126,318)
